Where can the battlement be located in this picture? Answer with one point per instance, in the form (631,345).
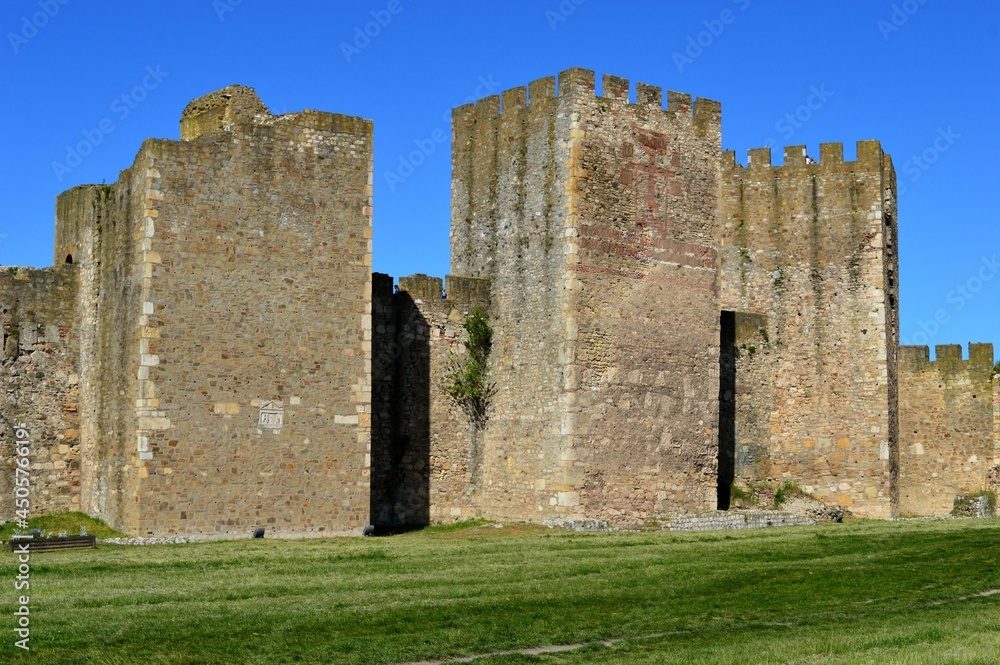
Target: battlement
(948,358)
(869,155)
(582,82)
(458,290)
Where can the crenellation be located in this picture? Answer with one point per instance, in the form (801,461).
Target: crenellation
(708,116)
(576,81)
(515,98)
(912,358)
(650,96)
(947,356)
(679,103)
(981,356)
(759,158)
(831,153)
(870,155)
(795,156)
(615,87)
(422,287)
(541,89)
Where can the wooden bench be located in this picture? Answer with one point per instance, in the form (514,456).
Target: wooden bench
(53,544)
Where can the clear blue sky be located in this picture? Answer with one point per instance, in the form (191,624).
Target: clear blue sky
(921,76)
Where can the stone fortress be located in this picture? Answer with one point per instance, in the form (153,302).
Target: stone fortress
(211,351)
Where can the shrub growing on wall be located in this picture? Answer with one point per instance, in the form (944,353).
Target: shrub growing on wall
(469,384)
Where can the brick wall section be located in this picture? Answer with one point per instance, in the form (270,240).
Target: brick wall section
(39,385)
(424,450)
(812,247)
(946,426)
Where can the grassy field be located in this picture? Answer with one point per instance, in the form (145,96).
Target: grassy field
(850,593)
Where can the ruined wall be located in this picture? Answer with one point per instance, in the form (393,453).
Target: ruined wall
(39,386)
(424,450)
(812,247)
(946,441)
(644,386)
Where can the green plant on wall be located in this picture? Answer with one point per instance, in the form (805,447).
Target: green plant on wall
(469,384)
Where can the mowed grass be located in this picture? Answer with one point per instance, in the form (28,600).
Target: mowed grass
(850,593)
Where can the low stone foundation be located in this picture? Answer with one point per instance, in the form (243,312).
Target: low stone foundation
(726,520)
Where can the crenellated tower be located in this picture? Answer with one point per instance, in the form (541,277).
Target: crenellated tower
(810,248)
(594,218)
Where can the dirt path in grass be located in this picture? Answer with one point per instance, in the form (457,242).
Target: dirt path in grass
(534,651)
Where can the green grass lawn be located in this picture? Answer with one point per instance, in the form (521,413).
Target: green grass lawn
(849,593)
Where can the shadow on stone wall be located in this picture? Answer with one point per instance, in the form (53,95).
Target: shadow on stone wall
(400,470)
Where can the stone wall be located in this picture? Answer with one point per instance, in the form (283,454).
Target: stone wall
(812,247)
(39,386)
(510,169)
(643,385)
(594,220)
(947,444)
(95,224)
(424,450)
(225,325)
(253,394)
(666,322)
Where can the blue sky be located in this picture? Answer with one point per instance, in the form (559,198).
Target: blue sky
(921,76)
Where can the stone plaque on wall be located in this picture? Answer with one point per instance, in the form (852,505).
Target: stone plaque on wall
(272,414)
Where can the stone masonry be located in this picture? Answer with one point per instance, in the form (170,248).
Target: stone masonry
(810,247)
(221,334)
(211,352)
(948,442)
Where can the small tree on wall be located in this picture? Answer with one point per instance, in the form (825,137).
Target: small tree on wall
(468,379)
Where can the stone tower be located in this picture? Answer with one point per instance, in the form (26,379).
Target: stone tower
(224,325)
(594,218)
(810,292)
